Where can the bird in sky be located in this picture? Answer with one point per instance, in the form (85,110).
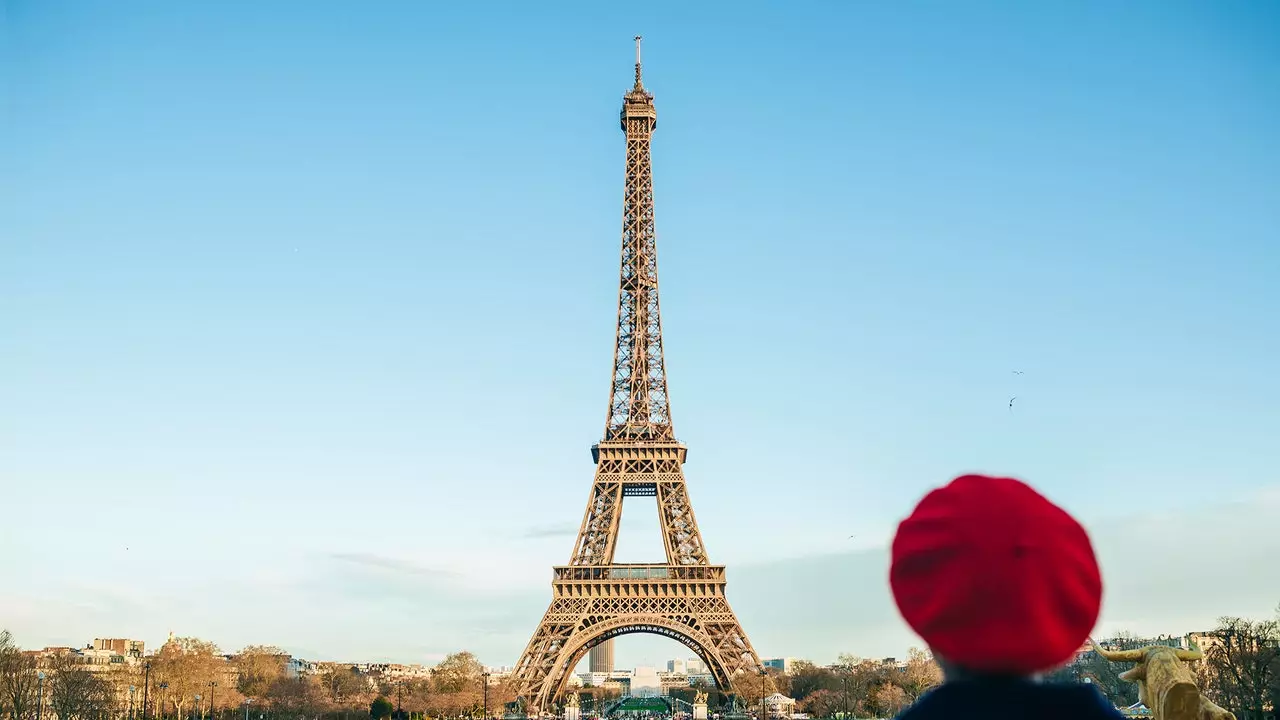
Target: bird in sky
(1017,372)
(1015,397)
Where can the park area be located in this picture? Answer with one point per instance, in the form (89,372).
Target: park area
(644,706)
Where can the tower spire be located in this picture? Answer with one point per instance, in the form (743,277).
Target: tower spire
(639,85)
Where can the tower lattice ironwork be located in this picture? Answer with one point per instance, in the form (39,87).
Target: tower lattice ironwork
(594,598)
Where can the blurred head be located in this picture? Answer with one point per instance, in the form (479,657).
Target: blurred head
(995,578)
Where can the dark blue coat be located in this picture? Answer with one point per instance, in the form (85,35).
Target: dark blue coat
(998,699)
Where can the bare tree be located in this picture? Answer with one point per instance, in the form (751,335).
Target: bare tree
(749,688)
(889,699)
(18,681)
(1275,673)
(456,685)
(1244,661)
(78,694)
(343,684)
(1105,675)
(259,666)
(807,679)
(186,666)
(415,696)
(920,674)
(823,703)
(297,697)
(456,673)
(865,680)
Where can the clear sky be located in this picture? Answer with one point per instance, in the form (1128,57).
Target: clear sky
(306,308)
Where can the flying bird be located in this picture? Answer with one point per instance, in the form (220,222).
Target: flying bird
(1017,372)
(1015,397)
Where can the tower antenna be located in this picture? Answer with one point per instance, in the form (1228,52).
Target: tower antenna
(638,38)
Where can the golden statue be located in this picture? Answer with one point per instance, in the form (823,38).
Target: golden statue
(572,700)
(1165,684)
(699,698)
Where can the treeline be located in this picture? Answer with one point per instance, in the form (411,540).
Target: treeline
(190,679)
(1240,670)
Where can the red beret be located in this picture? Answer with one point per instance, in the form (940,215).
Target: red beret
(994,577)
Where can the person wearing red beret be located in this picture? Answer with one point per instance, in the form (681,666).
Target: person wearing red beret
(1003,586)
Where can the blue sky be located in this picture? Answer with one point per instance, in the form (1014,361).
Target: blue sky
(306,308)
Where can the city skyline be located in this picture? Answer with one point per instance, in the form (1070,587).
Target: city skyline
(134,651)
(310,336)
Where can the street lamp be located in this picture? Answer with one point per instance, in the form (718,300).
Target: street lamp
(199,709)
(484,677)
(146,687)
(246,707)
(763,675)
(163,686)
(131,689)
(212,684)
(40,699)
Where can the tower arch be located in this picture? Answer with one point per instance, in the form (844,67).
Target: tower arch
(683,631)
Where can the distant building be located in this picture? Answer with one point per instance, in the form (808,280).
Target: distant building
(325,666)
(393,671)
(783,665)
(668,681)
(1174,641)
(600,659)
(676,666)
(695,666)
(120,646)
(1204,640)
(396,671)
(618,680)
(97,657)
(297,667)
(95,660)
(704,679)
(645,683)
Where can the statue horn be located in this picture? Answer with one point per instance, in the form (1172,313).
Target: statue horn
(1118,655)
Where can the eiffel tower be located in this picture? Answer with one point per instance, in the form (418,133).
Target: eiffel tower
(594,598)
